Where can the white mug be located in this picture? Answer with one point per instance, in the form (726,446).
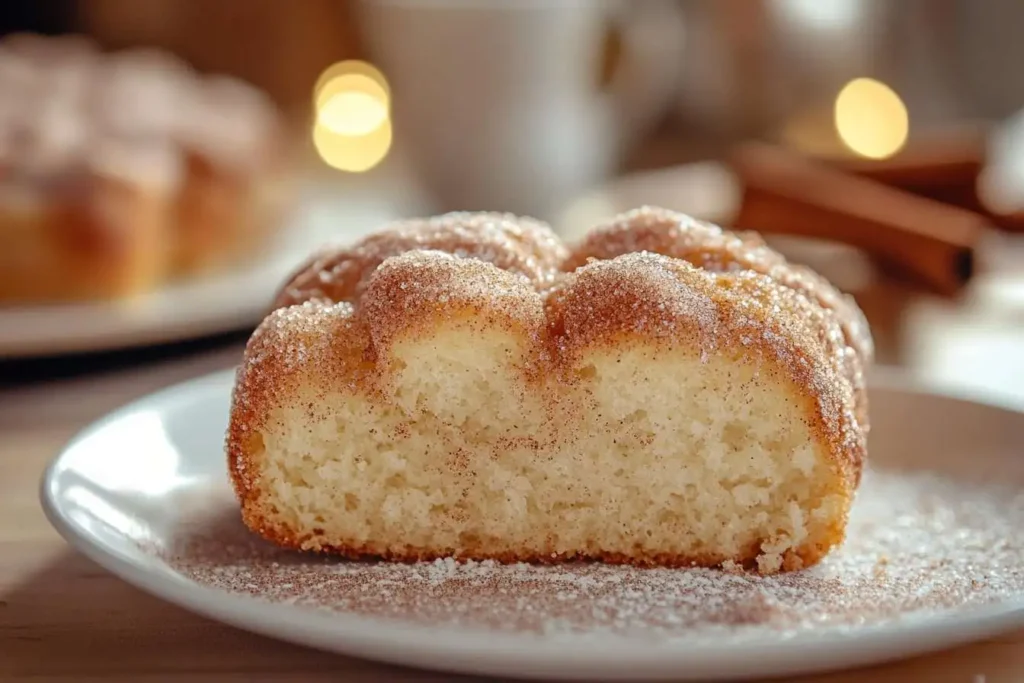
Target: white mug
(498,104)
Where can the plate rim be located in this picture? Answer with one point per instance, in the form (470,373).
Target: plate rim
(531,656)
(119,330)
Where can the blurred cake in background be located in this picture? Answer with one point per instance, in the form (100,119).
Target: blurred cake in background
(120,171)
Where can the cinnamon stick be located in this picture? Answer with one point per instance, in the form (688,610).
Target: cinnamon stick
(785,193)
(945,166)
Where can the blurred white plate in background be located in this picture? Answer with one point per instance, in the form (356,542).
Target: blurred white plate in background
(215,304)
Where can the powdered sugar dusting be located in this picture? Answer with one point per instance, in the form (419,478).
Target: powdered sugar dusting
(915,542)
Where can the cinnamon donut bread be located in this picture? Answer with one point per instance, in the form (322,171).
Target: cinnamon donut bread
(665,393)
(121,170)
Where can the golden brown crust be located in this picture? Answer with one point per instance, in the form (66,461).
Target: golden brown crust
(521,246)
(805,556)
(277,358)
(348,321)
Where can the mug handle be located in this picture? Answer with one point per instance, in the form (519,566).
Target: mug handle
(642,62)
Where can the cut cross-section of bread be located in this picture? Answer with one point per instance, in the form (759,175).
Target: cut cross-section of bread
(632,408)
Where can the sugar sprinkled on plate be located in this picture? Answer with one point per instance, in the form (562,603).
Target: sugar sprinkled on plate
(916,542)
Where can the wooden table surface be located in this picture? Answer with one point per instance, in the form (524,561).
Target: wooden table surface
(62,618)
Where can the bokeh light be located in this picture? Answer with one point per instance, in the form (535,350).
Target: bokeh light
(352,128)
(352,153)
(352,74)
(871,119)
(352,113)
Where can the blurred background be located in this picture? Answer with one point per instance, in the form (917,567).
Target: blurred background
(875,141)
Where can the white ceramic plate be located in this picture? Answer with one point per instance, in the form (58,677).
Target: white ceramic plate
(201,306)
(934,559)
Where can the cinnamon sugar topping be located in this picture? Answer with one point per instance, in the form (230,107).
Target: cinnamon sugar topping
(517,245)
(424,284)
(711,248)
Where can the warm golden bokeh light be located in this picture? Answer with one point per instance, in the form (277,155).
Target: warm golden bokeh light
(352,74)
(352,131)
(352,83)
(352,153)
(871,119)
(352,113)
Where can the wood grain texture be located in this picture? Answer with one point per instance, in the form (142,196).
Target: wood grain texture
(63,618)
